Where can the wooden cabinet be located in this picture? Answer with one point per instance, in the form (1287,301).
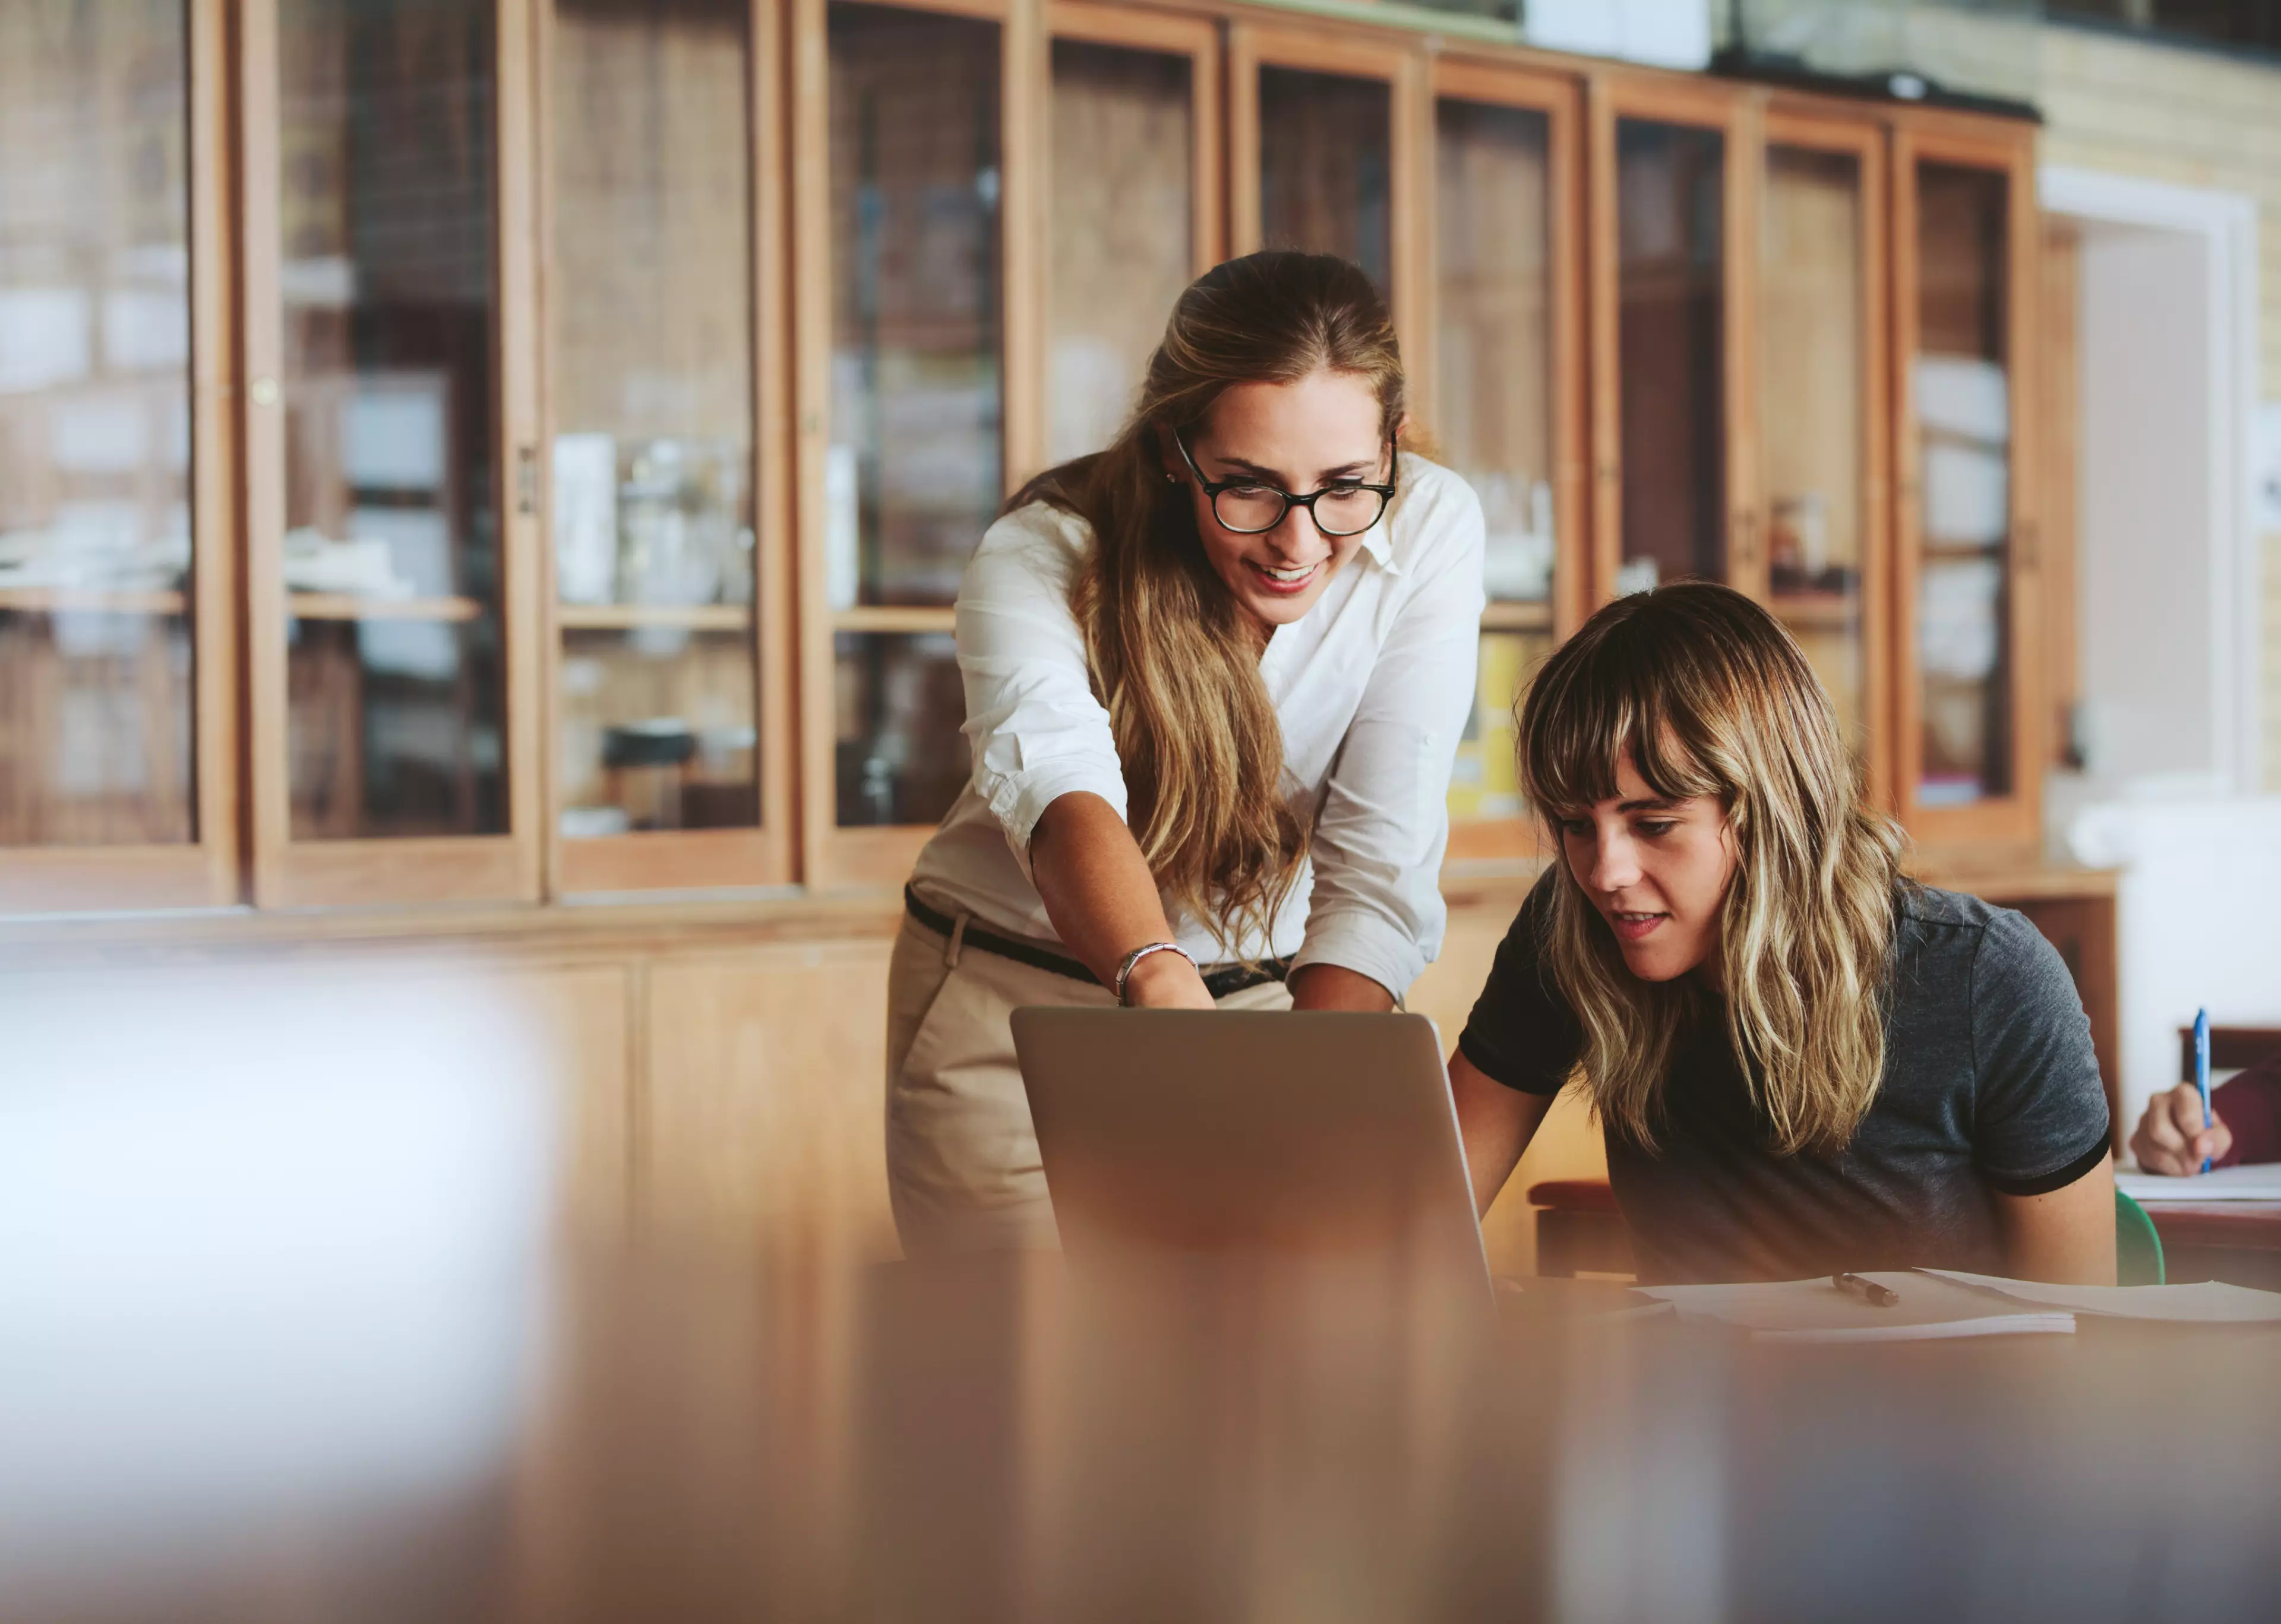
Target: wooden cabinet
(1967,729)
(119,596)
(1823,444)
(603,399)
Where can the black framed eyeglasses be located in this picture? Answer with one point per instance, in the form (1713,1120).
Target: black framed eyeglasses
(1249,508)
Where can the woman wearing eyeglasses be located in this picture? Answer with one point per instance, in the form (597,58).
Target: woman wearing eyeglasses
(1214,678)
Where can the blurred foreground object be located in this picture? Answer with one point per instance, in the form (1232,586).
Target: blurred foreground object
(1001,1440)
(272,1253)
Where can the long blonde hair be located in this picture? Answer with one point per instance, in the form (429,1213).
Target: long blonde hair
(1170,654)
(1710,696)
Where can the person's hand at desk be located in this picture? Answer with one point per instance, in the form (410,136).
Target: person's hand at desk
(2172,1138)
(2244,1125)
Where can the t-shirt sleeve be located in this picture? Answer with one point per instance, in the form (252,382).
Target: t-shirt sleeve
(2040,1110)
(1522,1033)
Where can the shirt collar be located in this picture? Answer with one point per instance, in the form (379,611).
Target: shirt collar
(1378,540)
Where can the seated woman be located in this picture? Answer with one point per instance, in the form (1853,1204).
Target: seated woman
(2244,1124)
(1803,1061)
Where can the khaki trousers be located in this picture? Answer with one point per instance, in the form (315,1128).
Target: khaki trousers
(963,1167)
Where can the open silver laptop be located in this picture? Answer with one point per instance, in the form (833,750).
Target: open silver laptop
(1185,1131)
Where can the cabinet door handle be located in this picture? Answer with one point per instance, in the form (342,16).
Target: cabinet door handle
(526,479)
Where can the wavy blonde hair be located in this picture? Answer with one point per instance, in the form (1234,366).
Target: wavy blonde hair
(1710,696)
(1168,652)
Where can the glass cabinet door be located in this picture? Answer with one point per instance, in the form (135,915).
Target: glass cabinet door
(1964,773)
(1122,208)
(1671,285)
(914,470)
(1495,409)
(651,301)
(96,532)
(1820,422)
(387,272)
(1326,167)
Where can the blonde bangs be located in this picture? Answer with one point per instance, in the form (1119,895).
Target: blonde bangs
(1583,716)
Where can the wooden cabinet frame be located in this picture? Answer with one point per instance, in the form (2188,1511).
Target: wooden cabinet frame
(1788,125)
(831,857)
(291,873)
(205,871)
(1325,47)
(2010,824)
(1494,841)
(1734,112)
(695,859)
(1173,35)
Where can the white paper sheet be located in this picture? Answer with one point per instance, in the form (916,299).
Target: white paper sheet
(2203,1303)
(2254,1181)
(1815,1310)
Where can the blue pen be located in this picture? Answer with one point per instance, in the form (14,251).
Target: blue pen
(2201,1068)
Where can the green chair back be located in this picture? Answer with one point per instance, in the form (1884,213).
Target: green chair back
(2138,1248)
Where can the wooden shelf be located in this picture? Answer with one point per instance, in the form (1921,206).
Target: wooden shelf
(346,606)
(1817,611)
(917,619)
(1517,617)
(90,601)
(627,616)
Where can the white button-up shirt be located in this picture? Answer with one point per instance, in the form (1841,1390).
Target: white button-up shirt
(1371,689)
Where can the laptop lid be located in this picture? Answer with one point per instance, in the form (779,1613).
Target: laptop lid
(1318,1134)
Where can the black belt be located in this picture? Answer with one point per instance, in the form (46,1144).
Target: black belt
(1218,982)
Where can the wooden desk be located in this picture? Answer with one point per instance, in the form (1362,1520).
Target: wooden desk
(2234,1241)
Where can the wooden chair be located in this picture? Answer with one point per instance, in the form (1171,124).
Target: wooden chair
(1580,1229)
(2232,1048)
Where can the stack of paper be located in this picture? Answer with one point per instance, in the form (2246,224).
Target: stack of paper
(2251,1181)
(2203,1303)
(1815,1310)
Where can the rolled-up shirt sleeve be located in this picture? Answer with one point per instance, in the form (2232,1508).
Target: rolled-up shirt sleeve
(1376,908)
(1036,730)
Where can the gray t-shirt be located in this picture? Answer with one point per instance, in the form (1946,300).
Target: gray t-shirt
(1991,1084)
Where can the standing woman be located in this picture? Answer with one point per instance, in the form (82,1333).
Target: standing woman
(1216,675)
(1803,1062)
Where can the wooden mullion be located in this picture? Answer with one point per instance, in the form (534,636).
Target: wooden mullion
(1602,272)
(1573,298)
(1879,651)
(1410,215)
(1208,90)
(214,627)
(1245,228)
(809,68)
(519,489)
(262,436)
(1744,148)
(1024,79)
(1908,486)
(550,627)
(774,449)
(2023,276)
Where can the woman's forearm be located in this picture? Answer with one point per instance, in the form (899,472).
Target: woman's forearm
(1104,901)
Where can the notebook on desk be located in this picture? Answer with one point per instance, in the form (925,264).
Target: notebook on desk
(1815,1310)
(2250,1181)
